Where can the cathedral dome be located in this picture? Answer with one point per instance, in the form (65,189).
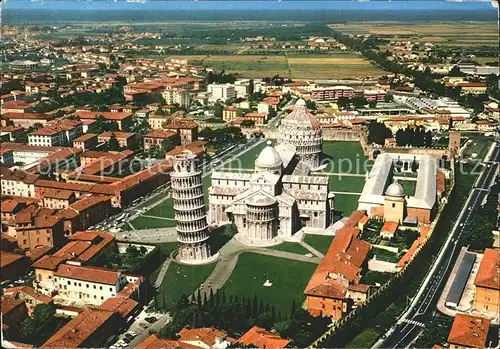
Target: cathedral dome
(268,159)
(395,189)
(300,117)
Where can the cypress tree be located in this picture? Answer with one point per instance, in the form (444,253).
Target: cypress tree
(199,296)
(223,300)
(217,298)
(292,310)
(261,307)
(211,299)
(248,310)
(255,309)
(205,298)
(194,299)
(273,314)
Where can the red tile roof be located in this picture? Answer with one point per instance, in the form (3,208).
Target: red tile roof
(153,342)
(7,258)
(121,305)
(91,274)
(78,330)
(488,274)
(207,335)
(390,227)
(48,262)
(469,331)
(259,337)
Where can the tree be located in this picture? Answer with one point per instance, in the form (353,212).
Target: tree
(378,132)
(359,102)
(311,105)
(343,103)
(134,258)
(247,123)
(167,145)
(40,325)
(251,87)
(218,109)
(428,139)
(113,144)
(388,98)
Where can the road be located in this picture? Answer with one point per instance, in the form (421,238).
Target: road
(423,305)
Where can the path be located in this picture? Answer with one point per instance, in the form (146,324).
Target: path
(346,193)
(229,257)
(340,174)
(148,236)
(162,272)
(157,217)
(311,249)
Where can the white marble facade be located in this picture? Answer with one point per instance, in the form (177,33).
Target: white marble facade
(282,195)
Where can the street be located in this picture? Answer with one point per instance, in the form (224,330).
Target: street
(423,305)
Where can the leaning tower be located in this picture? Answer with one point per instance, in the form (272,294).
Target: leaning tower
(189,208)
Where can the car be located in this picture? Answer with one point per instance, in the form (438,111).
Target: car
(132,333)
(128,336)
(143,325)
(121,343)
(126,339)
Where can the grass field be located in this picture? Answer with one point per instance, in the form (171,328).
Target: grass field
(464,33)
(319,242)
(478,146)
(345,157)
(345,183)
(293,247)
(247,159)
(409,187)
(151,223)
(288,278)
(346,203)
(181,279)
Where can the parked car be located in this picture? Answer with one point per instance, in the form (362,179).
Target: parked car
(132,333)
(143,325)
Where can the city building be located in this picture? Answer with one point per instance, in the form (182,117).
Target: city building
(189,208)
(221,92)
(229,113)
(468,332)
(282,196)
(487,282)
(382,199)
(89,329)
(155,138)
(125,139)
(86,142)
(258,337)
(177,96)
(335,284)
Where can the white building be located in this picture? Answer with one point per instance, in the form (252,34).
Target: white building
(282,195)
(178,96)
(221,92)
(47,137)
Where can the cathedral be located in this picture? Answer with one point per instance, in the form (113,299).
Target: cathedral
(282,195)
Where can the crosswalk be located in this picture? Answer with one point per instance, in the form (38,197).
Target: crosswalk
(413,322)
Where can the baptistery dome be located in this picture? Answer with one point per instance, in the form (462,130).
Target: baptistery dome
(301,129)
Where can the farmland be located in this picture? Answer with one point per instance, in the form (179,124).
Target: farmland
(462,34)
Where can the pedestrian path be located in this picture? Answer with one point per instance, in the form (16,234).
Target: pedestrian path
(311,249)
(157,217)
(414,322)
(346,193)
(162,273)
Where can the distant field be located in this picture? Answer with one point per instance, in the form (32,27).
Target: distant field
(466,33)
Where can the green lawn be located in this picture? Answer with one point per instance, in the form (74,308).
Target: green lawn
(346,203)
(293,247)
(365,339)
(288,278)
(346,183)
(247,159)
(479,146)
(345,157)
(166,209)
(319,242)
(386,256)
(373,277)
(181,279)
(151,223)
(409,187)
